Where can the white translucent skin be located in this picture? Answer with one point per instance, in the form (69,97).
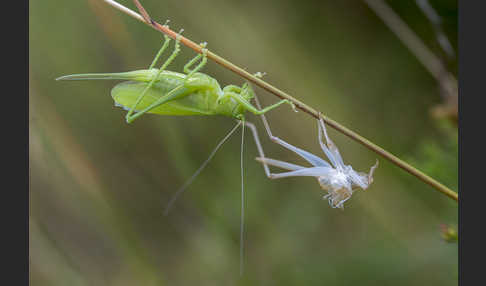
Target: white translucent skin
(338,179)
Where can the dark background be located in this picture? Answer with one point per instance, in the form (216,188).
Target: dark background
(98,186)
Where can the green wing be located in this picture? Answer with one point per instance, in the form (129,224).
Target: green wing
(126,93)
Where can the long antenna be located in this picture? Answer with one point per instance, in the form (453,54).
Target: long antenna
(203,165)
(242,216)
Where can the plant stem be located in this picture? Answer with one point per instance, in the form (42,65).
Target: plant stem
(270,88)
(424,55)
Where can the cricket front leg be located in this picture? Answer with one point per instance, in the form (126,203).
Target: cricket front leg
(248,106)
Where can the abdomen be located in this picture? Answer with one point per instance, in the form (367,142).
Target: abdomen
(194,103)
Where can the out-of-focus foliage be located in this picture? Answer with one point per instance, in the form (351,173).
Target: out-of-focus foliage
(98,186)
(443,150)
(449,233)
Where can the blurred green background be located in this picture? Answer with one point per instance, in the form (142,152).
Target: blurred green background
(98,186)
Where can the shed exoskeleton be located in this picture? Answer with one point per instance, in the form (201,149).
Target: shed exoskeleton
(338,179)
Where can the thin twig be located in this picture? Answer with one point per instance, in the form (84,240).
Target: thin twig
(302,106)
